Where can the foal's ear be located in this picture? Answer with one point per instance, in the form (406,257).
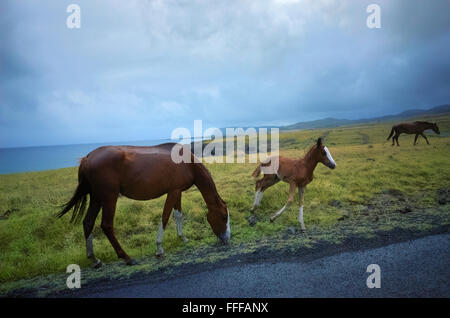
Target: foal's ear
(319,142)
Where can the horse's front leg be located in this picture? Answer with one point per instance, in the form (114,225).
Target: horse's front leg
(301,191)
(415,139)
(178,217)
(393,139)
(168,206)
(425,138)
(292,189)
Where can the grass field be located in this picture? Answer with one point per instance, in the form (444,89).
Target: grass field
(33,242)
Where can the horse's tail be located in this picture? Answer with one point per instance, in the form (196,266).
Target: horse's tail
(391,134)
(78,200)
(257,171)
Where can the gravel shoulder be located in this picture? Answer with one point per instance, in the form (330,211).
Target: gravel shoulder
(417,268)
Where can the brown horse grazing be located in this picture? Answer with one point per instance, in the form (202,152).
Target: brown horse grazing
(297,172)
(140,173)
(417,127)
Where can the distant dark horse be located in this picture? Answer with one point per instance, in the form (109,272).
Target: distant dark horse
(141,173)
(416,127)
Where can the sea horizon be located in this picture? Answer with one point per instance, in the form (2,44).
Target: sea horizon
(49,157)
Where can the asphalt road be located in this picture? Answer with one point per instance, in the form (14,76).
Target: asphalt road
(418,268)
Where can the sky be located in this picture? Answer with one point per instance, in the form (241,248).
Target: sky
(136,70)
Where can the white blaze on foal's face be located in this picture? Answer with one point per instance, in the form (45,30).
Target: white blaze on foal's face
(331,164)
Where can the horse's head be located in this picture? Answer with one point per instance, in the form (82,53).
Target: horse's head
(219,219)
(436,129)
(323,155)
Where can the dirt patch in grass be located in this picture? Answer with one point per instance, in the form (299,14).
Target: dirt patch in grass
(443,196)
(7,213)
(389,201)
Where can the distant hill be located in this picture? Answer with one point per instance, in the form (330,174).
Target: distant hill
(334,122)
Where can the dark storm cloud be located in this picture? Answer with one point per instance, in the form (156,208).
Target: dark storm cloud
(137,69)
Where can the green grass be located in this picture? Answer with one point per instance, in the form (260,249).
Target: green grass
(33,242)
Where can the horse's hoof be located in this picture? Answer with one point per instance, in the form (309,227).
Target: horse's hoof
(131,262)
(160,253)
(184,239)
(272,220)
(98,264)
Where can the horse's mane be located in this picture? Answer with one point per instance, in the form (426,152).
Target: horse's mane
(205,179)
(309,152)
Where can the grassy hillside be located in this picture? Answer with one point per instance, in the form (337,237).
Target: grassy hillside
(33,242)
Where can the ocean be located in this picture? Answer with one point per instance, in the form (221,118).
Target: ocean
(15,160)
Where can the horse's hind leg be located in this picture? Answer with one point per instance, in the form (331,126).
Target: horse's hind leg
(171,201)
(178,217)
(396,139)
(258,198)
(261,185)
(88,225)
(292,188)
(109,210)
(301,192)
(415,139)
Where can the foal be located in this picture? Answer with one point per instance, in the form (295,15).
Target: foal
(297,172)
(417,127)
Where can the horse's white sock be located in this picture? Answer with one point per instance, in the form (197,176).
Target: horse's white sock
(89,247)
(300,217)
(159,240)
(260,196)
(178,216)
(178,220)
(255,202)
(277,214)
(90,251)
